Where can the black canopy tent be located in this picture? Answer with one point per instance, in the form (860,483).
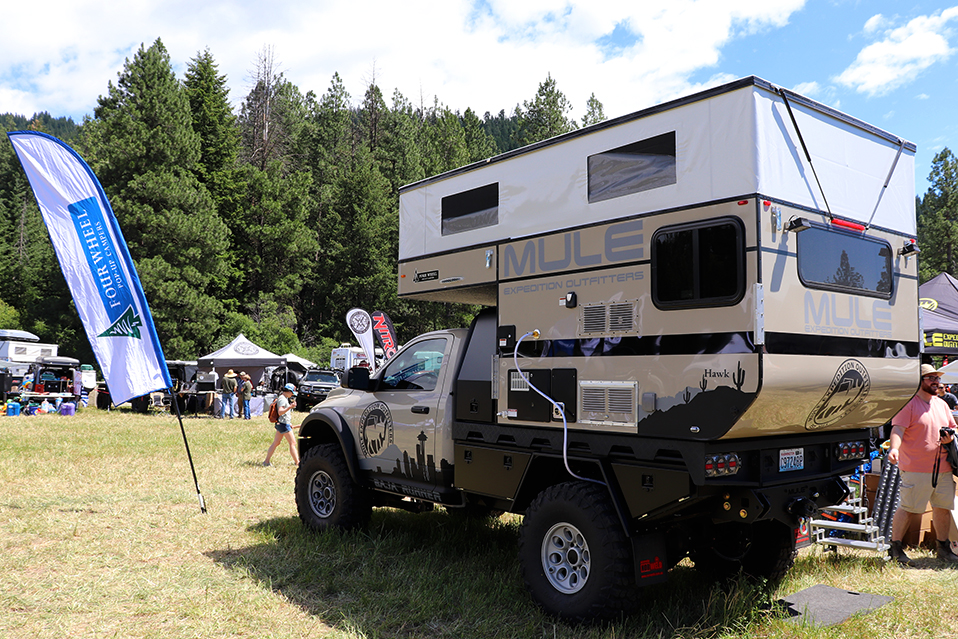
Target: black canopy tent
(938,298)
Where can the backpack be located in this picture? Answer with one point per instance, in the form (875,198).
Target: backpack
(273,413)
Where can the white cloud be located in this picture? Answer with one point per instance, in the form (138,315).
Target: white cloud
(485,55)
(922,96)
(808,89)
(875,23)
(904,53)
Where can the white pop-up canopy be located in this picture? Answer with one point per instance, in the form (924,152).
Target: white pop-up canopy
(241,355)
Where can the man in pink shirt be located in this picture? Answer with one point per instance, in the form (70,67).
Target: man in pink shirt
(916,448)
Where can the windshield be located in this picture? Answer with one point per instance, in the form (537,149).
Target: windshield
(322,377)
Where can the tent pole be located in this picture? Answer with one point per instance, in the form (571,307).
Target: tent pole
(189,456)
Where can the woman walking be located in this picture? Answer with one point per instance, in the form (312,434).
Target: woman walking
(284,425)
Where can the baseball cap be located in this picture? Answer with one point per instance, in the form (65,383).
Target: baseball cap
(290,388)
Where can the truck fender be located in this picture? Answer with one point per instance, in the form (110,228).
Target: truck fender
(326,426)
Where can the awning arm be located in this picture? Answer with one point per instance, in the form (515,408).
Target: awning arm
(901,146)
(808,156)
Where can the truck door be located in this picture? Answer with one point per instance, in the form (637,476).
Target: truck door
(397,429)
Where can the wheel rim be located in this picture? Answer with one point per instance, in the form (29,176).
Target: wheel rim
(566,560)
(322,494)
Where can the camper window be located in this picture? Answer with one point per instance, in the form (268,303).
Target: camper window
(472,209)
(699,264)
(836,260)
(640,166)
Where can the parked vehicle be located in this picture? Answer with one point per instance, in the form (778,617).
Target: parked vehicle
(53,378)
(684,345)
(315,386)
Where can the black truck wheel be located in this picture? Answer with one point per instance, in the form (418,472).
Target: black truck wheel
(576,559)
(326,495)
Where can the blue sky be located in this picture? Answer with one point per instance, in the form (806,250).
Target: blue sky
(892,64)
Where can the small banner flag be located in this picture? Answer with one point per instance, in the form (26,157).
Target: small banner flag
(362,327)
(96,264)
(385,333)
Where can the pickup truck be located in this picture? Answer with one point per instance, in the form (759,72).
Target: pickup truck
(682,347)
(601,510)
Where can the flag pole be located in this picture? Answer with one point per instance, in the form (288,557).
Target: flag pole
(196,482)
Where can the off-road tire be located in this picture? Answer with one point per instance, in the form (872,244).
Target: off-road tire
(326,495)
(575,557)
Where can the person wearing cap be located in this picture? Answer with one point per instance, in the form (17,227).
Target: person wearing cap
(284,426)
(244,394)
(228,390)
(915,446)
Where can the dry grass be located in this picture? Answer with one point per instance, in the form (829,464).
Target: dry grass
(102,536)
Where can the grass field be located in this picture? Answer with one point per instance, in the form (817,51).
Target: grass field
(102,536)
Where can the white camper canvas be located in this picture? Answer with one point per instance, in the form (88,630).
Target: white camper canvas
(731,142)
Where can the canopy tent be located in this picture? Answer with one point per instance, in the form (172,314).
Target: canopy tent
(241,355)
(938,298)
(295,362)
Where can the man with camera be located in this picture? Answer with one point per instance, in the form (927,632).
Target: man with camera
(918,431)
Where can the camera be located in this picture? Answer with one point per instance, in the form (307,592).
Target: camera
(944,431)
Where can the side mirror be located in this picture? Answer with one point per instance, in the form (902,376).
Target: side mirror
(357,378)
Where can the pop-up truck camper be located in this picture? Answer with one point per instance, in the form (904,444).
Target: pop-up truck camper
(694,315)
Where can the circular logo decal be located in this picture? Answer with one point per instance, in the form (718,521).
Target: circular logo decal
(375,429)
(246,348)
(359,322)
(848,390)
(928,303)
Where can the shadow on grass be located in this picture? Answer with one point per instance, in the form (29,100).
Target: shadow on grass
(435,575)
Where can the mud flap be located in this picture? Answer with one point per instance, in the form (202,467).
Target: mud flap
(651,566)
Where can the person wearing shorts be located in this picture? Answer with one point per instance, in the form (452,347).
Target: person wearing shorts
(915,446)
(284,426)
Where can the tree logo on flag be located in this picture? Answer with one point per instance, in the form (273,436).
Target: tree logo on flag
(128,325)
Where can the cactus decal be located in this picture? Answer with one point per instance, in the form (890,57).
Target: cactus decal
(704,384)
(739,378)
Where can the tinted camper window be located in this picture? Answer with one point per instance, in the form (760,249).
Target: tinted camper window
(640,166)
(848,262)
(472,209)
(700,264)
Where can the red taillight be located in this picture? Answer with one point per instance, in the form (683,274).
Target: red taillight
(854,226)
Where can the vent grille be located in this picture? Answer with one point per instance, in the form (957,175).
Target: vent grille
(609,404)
(621,400)
(618,317)
(621,317)
(516,382)
(593,399)
(593,319)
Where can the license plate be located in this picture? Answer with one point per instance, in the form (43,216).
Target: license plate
(791,459)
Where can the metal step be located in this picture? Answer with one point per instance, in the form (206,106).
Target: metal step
(878,544)
(847,509)
(844,525)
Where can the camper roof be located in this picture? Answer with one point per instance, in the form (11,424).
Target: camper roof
(746,138)
(17,336)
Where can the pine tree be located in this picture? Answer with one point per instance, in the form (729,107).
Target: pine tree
(545,116)
(594,113)
(214,123)
(938,219)
(142,145)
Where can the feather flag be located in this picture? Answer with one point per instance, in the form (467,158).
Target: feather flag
(362,327)
(96,264)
